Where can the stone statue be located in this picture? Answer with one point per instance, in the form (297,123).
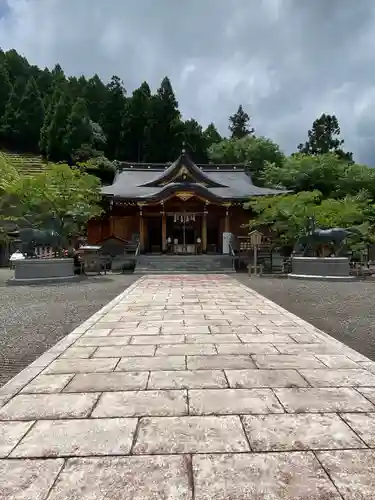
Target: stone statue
(315,236)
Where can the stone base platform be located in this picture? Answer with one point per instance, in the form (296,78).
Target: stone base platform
(320,278)
(39,271)
(320,268)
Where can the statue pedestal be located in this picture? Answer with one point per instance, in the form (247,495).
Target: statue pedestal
(320,268)
(39,271)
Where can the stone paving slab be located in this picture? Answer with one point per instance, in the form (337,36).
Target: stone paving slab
(353,472)
(280,476)
(59,438)
(201,379)
(10,434)
(138,478)
(41,406)
(28,479)
(190,388)
(106,382)
(48,384)
(233,401)
(190,435)
(299,432)
(139,403)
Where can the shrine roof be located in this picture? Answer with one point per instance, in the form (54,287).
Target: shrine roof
(142,181)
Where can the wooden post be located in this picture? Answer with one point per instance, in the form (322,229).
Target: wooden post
(163,232)
(227,220)
(255,241)
(141,230)
(204,230)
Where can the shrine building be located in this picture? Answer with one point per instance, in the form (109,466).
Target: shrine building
(177,208)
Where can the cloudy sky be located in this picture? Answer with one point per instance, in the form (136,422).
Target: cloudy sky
(286,61)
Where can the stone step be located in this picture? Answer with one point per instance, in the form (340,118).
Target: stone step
(183,264)
(166,272)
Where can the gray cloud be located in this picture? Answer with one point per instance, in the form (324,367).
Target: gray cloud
(286,61)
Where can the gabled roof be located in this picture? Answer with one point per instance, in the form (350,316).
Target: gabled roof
(153,182)
(183,170)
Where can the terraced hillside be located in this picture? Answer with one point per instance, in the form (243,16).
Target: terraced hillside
(24,163)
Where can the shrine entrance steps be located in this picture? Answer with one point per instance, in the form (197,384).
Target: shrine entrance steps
(184,264)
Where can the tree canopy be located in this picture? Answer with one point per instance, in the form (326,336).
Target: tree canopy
(240,124)
(62,198)
(254,152)
(324,137)
(72,119)
(286,215)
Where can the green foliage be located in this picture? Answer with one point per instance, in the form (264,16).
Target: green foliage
(324,138)
(165,131)
(239,124)
(304,172)
(211,135)
(286,215)
(9,176)
(9,130)
(113,117)
(327,173)
(136,122)
(54,128)
(78,133)
(5,88)
(195,141)
(29,117)
(254,152)
(95,95)
(62,197)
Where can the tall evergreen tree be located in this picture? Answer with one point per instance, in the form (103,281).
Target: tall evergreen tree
(165,131)
(9,122)
(240,124)
(136,121)
(58,75)
(44,83)
(95,94)
(50,104)
(54,133)
(78,134)
(324,138)
(76,86)
(29,118)
(195,141)
(5,88)
(114,110)
(19,70)
(211,135)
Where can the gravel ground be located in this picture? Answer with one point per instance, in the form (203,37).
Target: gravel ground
(346,311)
(34,318)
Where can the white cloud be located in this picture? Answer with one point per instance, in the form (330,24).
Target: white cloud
(286,61)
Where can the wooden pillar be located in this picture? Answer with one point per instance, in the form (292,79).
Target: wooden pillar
(141,230)
(204,231)
(227,220)
(111,226)
(163,232)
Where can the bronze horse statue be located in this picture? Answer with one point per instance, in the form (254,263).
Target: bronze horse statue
(333,237)
(31,238)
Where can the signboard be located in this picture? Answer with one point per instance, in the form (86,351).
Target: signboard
(255,238)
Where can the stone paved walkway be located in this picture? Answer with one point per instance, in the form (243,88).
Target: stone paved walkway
(190,388)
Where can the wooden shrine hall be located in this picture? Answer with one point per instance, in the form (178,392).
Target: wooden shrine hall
(180,208)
